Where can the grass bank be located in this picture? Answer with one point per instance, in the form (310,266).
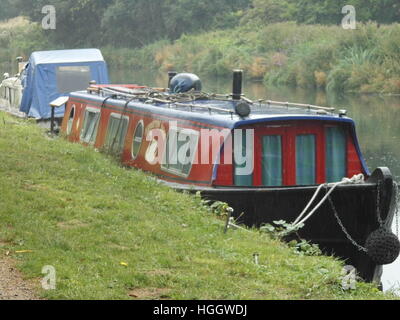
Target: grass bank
(315,56)
(114,233)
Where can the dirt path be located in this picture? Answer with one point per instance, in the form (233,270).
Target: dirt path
(12,284)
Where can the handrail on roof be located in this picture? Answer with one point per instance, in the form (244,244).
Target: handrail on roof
(189,105)
(301,105)
(146,94)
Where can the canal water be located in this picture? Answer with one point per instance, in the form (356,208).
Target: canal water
(377,118)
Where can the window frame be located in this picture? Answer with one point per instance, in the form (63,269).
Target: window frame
(282,139)
(140,122)
(174,171)
(96,128)
(70,123)
(253,159)
(59,74)
(272,130)
(117,116)
(346,146)
(309,129)
(316,156)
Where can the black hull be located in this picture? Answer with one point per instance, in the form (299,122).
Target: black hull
(355,204)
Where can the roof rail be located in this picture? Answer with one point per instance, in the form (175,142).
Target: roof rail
(210,109)
(158,95)
(299,105)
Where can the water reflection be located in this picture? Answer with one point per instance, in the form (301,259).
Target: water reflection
(376,117)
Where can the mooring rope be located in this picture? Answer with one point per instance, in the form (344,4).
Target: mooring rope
(357,179)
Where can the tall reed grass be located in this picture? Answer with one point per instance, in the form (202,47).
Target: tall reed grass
(328,57)
(19,37)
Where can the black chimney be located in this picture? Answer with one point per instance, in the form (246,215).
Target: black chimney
(237,84)
(171,74)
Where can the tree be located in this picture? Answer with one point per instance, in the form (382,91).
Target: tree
(134,23)
(330,11)
(7,9)
(268,11)
(78,21)
(137,22)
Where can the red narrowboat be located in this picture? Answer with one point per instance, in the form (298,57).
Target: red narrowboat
(266,159)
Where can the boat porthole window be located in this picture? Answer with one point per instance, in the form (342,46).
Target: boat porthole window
(71,120)
(137,139)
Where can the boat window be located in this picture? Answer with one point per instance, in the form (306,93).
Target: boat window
(137,139)
(306,159)
(180,151)
(90,125)
(242,180)
(72,78)
(116,133)
(71,120)
(335,154)
(272,161)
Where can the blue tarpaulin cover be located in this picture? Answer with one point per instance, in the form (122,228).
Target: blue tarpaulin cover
(51,74)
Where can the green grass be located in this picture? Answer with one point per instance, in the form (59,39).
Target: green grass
(79,211)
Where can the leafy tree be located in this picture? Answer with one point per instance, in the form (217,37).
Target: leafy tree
(78,21)
(268,11)
(382,11)
(133,23)
(330,11)
(7,9)
(192,16)
(138,22)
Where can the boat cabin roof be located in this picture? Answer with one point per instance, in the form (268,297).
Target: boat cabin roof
(66,56)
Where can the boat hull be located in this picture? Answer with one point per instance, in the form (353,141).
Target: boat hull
(355,204)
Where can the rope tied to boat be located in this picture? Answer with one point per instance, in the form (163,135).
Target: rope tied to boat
(300,221)
(382,246)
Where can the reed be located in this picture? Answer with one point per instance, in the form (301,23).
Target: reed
(19,37)
(327,57)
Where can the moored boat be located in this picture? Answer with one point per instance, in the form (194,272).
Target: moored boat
(266,159)
(47,76)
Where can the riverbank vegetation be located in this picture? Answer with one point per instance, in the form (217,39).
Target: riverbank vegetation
(285,42)
(312,56)
(19,37)
(70,207)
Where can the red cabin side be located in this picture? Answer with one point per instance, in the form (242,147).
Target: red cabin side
(289,131)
